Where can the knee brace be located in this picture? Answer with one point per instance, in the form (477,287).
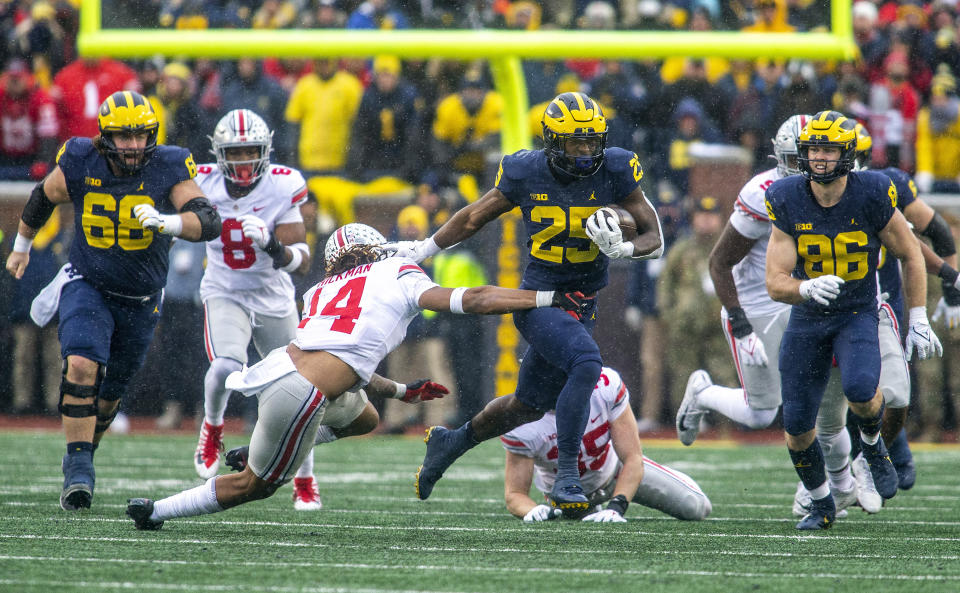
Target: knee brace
(80,391)
(104,419)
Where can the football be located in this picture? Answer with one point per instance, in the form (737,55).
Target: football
(623,219)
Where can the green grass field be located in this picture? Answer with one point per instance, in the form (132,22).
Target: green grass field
(374,536)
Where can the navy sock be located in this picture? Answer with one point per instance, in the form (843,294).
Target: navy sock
(870,425)
(899,449)
(810,466)
(854,431)
(573,410)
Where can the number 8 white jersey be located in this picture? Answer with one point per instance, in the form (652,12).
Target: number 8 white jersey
(237,268)
(361,315)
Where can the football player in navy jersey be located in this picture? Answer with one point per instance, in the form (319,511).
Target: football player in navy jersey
(561,191)
(130,198)
(829,225)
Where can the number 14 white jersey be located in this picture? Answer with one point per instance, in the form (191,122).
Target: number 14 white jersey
(237,268)
(361,315)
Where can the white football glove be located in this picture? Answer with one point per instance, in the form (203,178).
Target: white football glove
(605,516)
(150,218)
(822,289)
(750,350)
(951,315)
(921,336)
(541,512)
(607,235)
(415,250)
(255,229)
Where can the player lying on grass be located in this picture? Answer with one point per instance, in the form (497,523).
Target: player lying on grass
(351,320)
(613,468)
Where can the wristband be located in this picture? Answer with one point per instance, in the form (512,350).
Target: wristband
(456,300)
(739,324)
(296,258)
(544,298)
(918,315)
(430,248)
(172,224)
(401,390)
(618,503)
(22,244)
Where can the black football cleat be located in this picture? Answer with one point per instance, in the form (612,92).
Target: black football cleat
(140,509)
(823,512)
(78,481)
(567,495)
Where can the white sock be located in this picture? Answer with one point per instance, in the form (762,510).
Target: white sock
(836,458)
(201,500)
(870,440)
(215,394)
(820,491)
(732,403)
(325,434)
(306,468)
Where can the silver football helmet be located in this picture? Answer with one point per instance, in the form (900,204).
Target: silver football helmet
(347,236)
(242,128)
(785,144)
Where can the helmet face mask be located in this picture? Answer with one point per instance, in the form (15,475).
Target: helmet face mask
(127,114)
(242,129)
(574,134)
(785,145)
(828,129)
(354,238)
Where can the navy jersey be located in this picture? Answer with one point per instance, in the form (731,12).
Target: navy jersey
(841,240)
(110,248)
(889,269)
(562,257)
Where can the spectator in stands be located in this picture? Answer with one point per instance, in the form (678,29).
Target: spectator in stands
(246,87)
(28,125)
(320,113)
(467,127)
(287,71)
(377,14)
(894,104)
(81,86)
(938,137)
(385,130)
(770,16)
(40,40)
(329,15)
(181,121)
(275,14)
(800,92)
(689,304)
(149,72)
(690,124)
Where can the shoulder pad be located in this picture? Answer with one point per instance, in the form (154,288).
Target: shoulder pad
(618,159)
(519,164)
(77,147)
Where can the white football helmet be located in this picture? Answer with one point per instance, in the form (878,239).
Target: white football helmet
(785,144)
(348,235)
(242,128)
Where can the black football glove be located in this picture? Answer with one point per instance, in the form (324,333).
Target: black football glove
(237,458)
(574,303)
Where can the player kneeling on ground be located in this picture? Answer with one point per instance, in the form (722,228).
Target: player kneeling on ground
(612,465)
(351,320)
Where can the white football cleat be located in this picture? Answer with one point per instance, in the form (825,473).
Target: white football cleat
(206,459)
(306,495)
(689,415)
(844,499)
(867,495)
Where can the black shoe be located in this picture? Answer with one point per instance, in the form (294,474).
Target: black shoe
(140,509)
(822,513)
(237,458)
(884,474)
(567,495)
(78,481)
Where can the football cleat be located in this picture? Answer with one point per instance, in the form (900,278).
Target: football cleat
(881,468)
(306,495)
(567,495)
(689,415)
(206,460)
(843,499)
(79,478)
(902,460)
(140,509)
(443,449)
(236,458)
(867,495)
(802,500)
(822,513)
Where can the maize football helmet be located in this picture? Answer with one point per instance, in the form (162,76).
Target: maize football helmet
(864,147)
(574,115)
(242,128)
(127,112)
(785,144)
(348,236)
(828,128)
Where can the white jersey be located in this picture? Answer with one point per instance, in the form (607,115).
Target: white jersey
(598,461)
(237,268)
(750,219)
(361,315)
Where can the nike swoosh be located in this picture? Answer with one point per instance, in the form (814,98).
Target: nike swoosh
(255,209)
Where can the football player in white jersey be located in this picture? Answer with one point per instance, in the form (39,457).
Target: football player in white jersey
(246,288)
(612,465)
(351,320)
(754,323)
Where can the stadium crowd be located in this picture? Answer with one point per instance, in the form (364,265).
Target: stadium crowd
(402,144)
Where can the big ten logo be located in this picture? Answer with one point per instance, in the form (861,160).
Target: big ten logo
(539,197)
(803,226)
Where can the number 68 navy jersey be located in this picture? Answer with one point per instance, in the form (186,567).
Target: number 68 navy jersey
(562,257)
(841,240)
(110,248)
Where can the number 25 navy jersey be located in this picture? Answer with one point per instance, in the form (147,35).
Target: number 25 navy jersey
(841,240)
(562,257)
(110,247)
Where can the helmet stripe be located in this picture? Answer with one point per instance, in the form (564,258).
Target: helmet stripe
(341,237)
(240,123)
(135,99)
(119,99)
